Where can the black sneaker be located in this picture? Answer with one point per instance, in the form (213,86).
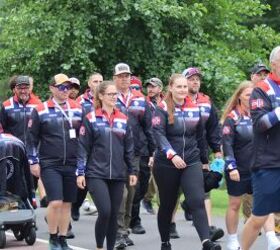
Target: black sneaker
(75,213)
(148,206)
(173,231)
(54,244)
(210,245)
(138,229)
(215,233)
(128,241)
(166,246)
(63,243)
(187,213)
(120,242)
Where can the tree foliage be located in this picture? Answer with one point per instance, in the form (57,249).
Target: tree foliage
(156,38)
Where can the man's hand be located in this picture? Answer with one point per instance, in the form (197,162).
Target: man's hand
(218,155)
(81,182)
(206,167)
(35,169)
(234,175)
(151,162)
(132,180)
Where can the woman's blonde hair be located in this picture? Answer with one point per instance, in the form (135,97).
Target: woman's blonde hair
(101,89)
(169,99)
(233,102)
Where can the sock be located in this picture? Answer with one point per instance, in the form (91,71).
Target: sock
(53,236)
(232,237)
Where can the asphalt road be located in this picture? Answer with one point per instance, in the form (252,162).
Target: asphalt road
(84,235)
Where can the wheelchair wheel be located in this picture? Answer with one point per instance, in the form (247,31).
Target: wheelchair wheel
(30,237)
(2,239)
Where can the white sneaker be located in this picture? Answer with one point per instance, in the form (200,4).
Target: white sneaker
(273,245)
(88,207)
(233,245)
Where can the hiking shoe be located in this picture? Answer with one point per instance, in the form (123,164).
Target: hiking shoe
(148,206)
(210,245)
(89,207)
(215,233)
(166,246)
(187,213)
(128,241)
(75,213)
(138,229)
(173,231)
(54,244)
(120,242)
(63,243)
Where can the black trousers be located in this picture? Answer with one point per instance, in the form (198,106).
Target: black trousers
(190,179)
(107,199)
(141,190)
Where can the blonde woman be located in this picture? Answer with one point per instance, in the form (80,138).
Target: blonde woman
(237,138)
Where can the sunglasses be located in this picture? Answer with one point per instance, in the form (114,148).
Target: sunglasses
(135,87)
(63,87)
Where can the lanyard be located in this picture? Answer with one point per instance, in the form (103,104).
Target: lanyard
(125,100)
(70,114)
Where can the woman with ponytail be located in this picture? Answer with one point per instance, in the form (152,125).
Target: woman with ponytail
(178,160)
(105,158)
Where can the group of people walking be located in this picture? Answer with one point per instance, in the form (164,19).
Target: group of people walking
(112,140)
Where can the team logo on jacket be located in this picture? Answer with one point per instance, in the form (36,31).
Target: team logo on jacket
(119,125)
(257,103)
(156,121)
(190,114)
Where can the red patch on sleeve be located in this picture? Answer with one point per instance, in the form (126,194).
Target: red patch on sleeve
(82,130)
(257,103)
(156,121)
(226,130)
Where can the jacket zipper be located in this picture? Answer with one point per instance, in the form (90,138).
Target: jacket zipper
(64,142)
(24,124)
(110,153)
(184,141)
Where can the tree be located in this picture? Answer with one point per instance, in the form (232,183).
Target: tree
(156,38)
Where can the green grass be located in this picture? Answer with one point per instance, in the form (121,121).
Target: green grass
(219,198)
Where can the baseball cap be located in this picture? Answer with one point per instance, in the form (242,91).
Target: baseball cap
(258,68)
(191,71)
(154,81)
(60,79)
(121,68)
(22,80)
(75,80)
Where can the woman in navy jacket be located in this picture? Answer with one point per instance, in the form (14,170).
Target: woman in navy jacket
(178,132)
(105,159)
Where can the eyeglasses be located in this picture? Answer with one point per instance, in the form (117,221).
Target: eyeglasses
(111,94)
(136,87)
(63,87)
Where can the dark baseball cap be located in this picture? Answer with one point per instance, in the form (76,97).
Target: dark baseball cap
(259,67)
(22,80)
(154,81)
